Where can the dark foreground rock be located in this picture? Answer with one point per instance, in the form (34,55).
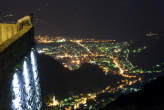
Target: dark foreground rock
(151,97)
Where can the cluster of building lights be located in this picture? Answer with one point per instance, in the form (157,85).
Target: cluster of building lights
(109,55)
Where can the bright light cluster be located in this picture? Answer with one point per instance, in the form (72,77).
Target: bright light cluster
(112,58)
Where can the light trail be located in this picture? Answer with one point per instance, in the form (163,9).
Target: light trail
(78,43)
(112,57)
(121,70)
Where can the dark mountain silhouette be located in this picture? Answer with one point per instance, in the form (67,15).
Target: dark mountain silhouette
(55,79)
(149,98)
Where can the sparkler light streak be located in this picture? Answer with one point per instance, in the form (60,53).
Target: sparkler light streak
(25,86)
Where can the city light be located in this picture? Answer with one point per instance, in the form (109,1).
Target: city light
(54,102)
(110,56)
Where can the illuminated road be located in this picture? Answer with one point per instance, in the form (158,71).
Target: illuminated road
(78,43)
(111,57)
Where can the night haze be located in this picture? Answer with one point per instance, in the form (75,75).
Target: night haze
(81,55)
(109,19)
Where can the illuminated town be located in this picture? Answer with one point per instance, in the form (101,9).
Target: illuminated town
(111,56)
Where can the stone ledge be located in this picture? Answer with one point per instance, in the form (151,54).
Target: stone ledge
(14,38)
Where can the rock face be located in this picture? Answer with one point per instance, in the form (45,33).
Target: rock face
(13,43)
(14,52)
(7,31)
(149,98)
(9,58)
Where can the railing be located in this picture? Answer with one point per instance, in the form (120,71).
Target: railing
(9,33)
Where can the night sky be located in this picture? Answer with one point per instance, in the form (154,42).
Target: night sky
(109,19)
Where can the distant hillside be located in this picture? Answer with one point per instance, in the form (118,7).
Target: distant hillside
(56,79)
(149,98)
